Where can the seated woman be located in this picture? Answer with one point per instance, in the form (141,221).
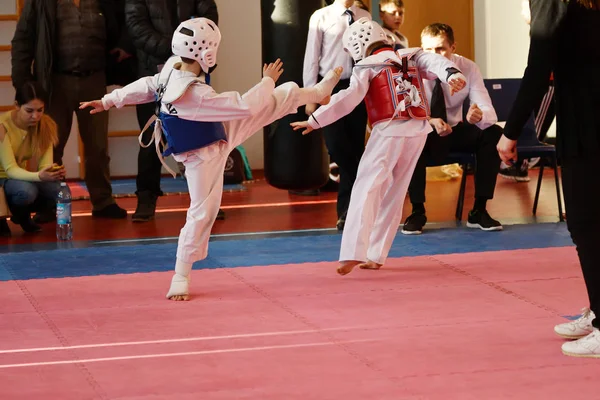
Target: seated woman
(29,178)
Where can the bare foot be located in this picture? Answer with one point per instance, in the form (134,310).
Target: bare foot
(347,266)
(325,87)
(369,265)
(179,290)
(184,297)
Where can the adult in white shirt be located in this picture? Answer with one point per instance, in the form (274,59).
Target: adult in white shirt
(478,134)
(345,139)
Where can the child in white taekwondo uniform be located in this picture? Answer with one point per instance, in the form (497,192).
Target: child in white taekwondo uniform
(390,82)
(201,127)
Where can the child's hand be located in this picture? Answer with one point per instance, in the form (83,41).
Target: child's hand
(457,83)
(301,125)
(273,70)
(440,126)
(475,114)
(96,105)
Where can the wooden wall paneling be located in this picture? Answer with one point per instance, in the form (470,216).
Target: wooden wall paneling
(456,13)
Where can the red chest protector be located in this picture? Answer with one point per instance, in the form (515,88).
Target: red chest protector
(396,93)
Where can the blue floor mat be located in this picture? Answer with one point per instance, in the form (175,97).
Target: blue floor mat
(127,259)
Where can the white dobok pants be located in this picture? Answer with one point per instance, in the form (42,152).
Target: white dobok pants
(378,194)
(204,170)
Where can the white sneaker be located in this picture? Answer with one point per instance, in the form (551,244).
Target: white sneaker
(579,328)
(588,346)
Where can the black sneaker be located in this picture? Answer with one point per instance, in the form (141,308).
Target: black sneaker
(414,224)
(516,173)
(44,217)
(482,220)
(112,211)
(146,207)
(4,229)
(29,226)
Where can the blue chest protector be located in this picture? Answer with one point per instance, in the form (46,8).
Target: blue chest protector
(178,135)
(184,135)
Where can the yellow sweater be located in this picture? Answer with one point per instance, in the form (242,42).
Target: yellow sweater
(14,137)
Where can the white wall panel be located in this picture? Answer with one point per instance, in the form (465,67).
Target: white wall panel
(122,119)
(240,58)
(123,152)
(501,40)
(7,93)
(7,31)
(4,63)
(8,7)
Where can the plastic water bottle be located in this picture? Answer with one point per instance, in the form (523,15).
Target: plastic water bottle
(64,227)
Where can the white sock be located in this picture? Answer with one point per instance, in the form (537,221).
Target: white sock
(321,90)
(180,286)
(183,268)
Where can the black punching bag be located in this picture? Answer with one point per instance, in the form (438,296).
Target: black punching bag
(292,161)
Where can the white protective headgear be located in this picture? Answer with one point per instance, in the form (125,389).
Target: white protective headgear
(197,39)
(360,35)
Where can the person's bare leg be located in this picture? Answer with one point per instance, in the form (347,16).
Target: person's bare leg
(321,92)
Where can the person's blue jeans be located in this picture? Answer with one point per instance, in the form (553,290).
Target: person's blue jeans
(25,197)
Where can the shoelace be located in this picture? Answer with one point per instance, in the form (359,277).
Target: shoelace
(585,314)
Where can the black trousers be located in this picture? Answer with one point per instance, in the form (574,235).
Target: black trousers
(149,166)
(345,140)
(464,137)
(581,185)
(69,91)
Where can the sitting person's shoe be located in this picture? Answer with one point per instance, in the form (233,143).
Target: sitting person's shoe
(44,217)
(28,225)
(221,215)
(516,173)
(578,328)
(414,224)
(4,229)
(482,220)
(112,211)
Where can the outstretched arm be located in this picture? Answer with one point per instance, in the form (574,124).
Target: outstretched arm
(434,66)
(141,91)
(341,103)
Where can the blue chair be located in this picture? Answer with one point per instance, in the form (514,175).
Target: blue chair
(503,93)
